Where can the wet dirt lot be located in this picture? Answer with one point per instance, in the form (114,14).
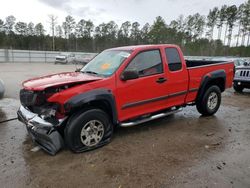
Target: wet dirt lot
(182,150)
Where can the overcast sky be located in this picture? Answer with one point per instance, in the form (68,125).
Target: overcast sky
(100,11)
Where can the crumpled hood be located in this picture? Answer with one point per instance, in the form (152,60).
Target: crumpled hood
(60,79)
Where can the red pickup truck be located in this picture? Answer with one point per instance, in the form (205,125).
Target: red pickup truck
(122,86)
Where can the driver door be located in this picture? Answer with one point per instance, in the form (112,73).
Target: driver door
(148,92)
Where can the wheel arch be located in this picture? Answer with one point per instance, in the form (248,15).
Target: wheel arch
(217,78)
(100,98)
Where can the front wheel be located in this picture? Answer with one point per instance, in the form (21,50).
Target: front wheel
(88,130)
(210,101)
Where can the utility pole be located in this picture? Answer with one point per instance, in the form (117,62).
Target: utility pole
(53,22)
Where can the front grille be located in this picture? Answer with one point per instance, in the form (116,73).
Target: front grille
(27,98)
(245,73)
(30,98)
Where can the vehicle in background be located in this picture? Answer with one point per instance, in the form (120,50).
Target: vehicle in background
(65,58)
(239,62)
(84,59)
(242,77)
(124,87)
(247,63)
(2,90)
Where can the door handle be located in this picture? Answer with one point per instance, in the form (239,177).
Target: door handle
(161,80)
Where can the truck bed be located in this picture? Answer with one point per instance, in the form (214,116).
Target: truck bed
(198,63)
(197,69)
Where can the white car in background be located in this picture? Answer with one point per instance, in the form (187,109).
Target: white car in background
(84,59)
(65,58)
(1,89)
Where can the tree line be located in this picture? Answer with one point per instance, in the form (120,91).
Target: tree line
(224,31)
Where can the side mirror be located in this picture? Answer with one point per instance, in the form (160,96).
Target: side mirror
(129,75)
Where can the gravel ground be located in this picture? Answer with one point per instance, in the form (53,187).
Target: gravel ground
(182,150)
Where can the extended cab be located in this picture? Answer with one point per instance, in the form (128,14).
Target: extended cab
(123,86)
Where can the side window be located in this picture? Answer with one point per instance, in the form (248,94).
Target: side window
(147,63)
(173,58)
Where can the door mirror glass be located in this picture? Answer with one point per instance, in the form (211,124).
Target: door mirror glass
(129,75)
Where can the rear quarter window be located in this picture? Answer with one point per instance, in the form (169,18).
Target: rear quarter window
(173,59)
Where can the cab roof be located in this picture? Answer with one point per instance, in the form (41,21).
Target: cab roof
(142,47)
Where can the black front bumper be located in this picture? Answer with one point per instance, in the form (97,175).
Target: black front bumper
(242,83)
(42,132)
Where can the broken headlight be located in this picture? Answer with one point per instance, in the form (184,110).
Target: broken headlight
(48,111)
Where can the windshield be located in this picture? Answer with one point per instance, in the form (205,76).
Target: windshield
(106,63)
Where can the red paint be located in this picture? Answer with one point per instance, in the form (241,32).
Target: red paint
(144,88)
(41,83)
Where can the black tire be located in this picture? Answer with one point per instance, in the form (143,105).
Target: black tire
(203,105)
(238,88)
(76,124)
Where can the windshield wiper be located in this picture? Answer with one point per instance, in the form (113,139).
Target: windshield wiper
(90,72)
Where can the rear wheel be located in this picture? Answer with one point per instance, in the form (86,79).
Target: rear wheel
(238,88)
(88,130)
(210,101)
